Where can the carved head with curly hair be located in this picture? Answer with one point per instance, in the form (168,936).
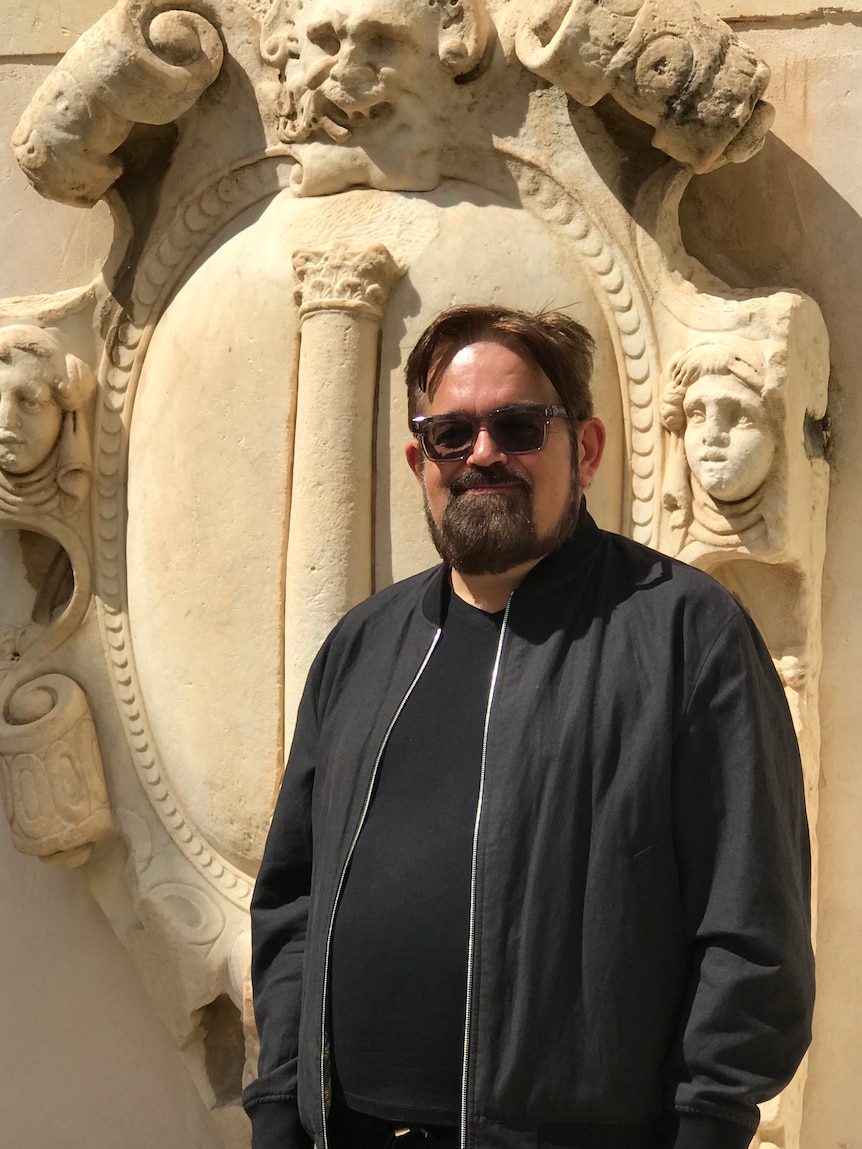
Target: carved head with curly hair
(42,391)
(717,399)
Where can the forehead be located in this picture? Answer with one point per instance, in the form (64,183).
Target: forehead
(488,374)
(26,373)
(382,14)
(721,389)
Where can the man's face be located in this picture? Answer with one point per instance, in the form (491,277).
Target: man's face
(29,416)
(491,512)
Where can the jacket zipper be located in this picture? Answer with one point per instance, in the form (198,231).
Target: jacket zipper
(343,875)
(471,937)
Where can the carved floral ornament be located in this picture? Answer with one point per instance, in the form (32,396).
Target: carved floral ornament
(284,184)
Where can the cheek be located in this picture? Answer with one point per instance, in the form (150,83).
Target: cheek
(693,439)
(43,426)
(750,443)
(552,492)
(436,491)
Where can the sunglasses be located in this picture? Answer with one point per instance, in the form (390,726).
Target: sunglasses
(517,430)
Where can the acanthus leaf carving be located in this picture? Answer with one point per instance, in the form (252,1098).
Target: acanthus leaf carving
(343,278)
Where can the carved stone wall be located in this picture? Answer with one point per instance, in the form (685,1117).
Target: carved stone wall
(292,197)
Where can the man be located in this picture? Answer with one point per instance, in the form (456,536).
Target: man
(538,873)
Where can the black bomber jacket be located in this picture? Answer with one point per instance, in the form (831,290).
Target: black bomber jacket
(641,972)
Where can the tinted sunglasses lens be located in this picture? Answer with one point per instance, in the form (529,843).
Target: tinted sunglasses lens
(449,438)
(519,432)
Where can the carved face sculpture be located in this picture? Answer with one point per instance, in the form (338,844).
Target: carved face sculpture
(729,442)
(358,56)
(30,416)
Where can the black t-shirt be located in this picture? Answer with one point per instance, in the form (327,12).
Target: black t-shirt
(399,946)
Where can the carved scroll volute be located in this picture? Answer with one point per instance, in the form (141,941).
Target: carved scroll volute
(51,777)
(141,63)
(675,66)
(341,293)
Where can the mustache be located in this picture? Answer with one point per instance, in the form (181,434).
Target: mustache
(495,475)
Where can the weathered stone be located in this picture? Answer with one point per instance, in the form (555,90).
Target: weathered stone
(296,193)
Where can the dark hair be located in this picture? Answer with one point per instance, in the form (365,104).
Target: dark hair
(561,347)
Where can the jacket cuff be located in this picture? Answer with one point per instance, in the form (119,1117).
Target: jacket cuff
(276,1125)
(696,1131)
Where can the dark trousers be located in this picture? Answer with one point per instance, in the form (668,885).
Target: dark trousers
(351,1130)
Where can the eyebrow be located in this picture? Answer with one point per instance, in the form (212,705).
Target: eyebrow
(33,388)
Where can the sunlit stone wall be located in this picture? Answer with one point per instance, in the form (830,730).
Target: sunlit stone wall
(88,1056)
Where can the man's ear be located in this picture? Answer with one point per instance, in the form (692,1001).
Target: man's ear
(591,445)
(415,459)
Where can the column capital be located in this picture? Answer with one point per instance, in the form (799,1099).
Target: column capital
(344,278)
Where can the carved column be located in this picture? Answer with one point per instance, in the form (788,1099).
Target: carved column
(341,293)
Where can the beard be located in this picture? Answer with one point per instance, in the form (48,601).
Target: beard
(491,534)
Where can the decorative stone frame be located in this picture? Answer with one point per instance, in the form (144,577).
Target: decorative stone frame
(197,92)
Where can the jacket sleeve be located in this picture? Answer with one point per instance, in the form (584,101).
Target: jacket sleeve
(741,839)
(279,915)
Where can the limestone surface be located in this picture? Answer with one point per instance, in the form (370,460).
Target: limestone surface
(295,193)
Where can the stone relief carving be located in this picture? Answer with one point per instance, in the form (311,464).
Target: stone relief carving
(140,64)
(372,76)
(341,292)
(46,397)
(45,456)
(51,776)
(358,75)
(344,279)
(330,174)
(52,585)
(676,67)
(720,414)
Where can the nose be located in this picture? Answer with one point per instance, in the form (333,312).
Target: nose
(715,431)
(352,63)
(485,450)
